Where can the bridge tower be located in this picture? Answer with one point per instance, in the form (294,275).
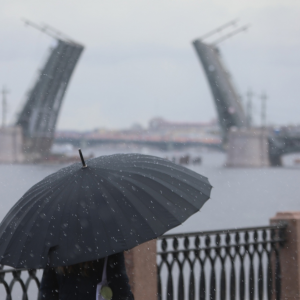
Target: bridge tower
(39,115)
(227,101)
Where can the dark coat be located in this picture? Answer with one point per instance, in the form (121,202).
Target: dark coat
(76,286)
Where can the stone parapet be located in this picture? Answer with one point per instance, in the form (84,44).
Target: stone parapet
(11,143)
(142,271)
(247,148)
(290,255)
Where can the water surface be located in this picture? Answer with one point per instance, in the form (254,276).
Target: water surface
(240,197)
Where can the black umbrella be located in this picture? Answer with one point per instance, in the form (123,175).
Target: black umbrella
(112,204)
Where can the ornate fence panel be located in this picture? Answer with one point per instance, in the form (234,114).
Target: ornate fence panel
(19,284)
(232,264)
(237,264)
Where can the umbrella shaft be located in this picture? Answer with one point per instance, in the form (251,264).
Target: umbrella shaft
(82,159)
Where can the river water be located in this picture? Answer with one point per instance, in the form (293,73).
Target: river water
(240,197)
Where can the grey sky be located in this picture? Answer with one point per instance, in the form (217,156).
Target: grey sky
(139,61)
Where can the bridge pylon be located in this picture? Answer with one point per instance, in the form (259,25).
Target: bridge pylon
(39,114)
(227,100)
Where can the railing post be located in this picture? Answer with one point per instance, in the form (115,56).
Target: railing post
(290,255)
(142,271)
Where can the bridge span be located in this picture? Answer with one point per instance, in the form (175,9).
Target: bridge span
(243,142)
(39,114)
(283,141)
(162,143)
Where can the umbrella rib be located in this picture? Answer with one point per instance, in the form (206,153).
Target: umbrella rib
(68,179)
(132,181)
(171,187)
(141,203)
(194,186)
(103,224)
(65,204)
(174,176)
(27,206)
(112,183)
(153,161)
(38,211)
(23,204)
(192,177)
(107,192)
(194,208)
(150,212)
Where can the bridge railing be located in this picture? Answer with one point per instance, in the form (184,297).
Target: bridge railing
(224,264)
(19,284)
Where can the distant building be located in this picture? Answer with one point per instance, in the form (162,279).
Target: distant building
(158,132)
(11,142)
(184,128)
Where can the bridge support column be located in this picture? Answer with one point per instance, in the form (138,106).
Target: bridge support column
(247,148)
(11,145)
(275,160)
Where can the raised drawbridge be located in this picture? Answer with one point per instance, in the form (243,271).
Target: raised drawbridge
(39,114)
(227,100)
(246,146)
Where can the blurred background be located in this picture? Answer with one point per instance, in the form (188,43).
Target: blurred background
(138,86)
(139,63)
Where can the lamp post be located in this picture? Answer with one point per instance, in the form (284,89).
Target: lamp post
(4,105)
(263,98)
(249,108)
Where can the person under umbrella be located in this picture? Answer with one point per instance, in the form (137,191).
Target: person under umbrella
(81,281)
(86,213)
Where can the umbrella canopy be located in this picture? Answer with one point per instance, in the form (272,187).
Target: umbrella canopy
(111,205)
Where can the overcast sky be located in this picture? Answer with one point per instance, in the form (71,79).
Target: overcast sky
(139,62)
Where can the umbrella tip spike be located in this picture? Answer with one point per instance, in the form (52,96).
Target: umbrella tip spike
(82,159)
